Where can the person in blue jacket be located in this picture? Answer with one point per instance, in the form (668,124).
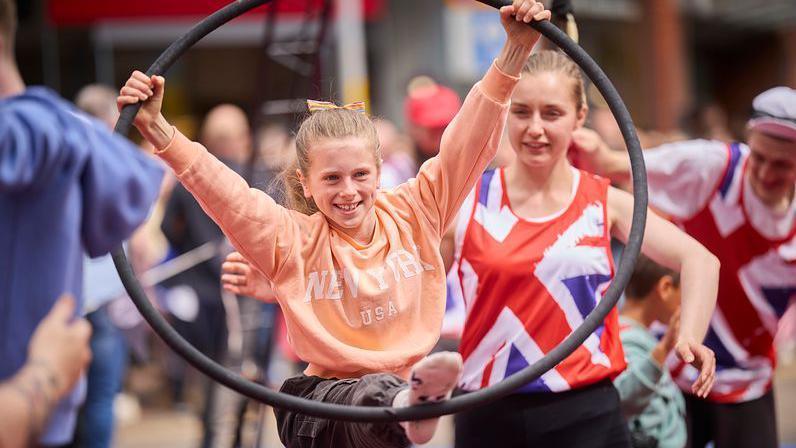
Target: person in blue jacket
(67,183)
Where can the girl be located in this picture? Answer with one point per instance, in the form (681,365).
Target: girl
(356,270)
(532,250)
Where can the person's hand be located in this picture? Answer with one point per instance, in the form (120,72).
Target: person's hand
(703,359)
(147,89)
(588,148)
(60,345)
(668,341)
(241,278)
(515,18)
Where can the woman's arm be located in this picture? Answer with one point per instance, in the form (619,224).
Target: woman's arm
(699,277)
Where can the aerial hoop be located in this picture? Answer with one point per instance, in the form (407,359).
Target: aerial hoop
(457,404)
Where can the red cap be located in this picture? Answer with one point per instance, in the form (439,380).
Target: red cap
(432,106)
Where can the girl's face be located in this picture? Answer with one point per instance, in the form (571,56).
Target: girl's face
(342,179)
(542,116)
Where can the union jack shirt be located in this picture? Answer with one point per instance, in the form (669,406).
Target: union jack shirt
(527,283)
(709,196)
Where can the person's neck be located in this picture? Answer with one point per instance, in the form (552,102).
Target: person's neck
(362,234)
(11,82)
(539,179)
(637,312)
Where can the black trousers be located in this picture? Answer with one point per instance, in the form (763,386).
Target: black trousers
(586,417)
(751,424)
(303,431)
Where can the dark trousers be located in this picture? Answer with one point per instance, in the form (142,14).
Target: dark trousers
(302,431)
(586,417)
(732,425)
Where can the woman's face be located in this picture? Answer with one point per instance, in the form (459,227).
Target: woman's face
(343,179)
(542,115)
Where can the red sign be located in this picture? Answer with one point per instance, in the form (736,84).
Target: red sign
(86,12)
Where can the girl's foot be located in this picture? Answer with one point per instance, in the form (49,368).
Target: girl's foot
(432,380)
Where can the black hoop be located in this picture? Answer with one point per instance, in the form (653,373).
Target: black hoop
(457,404)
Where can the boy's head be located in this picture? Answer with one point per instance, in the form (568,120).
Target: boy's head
(655,287)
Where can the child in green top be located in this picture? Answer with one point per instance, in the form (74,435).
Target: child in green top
(651,402)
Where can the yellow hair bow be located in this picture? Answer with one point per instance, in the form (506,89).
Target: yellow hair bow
(315,106)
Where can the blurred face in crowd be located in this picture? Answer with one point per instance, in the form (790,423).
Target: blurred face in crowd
(226,133)
(427,139)
(772,168)
(542,116)
(342,179)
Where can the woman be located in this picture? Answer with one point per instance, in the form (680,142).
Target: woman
(532,250)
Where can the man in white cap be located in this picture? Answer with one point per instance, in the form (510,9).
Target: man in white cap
(738,201)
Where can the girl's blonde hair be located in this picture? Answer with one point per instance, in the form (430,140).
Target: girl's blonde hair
(557,62)
(332,123)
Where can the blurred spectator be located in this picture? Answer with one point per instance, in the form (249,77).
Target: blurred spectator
(200,315)
(67,184)
(398,164)
(429,108)
(101,285)
(228,330)
(57,354)
(651,402)
(274,151)
(708,121)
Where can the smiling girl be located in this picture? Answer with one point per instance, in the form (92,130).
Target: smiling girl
(532,250)
(356,270)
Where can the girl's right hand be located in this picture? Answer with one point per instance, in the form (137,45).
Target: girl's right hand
(149,90)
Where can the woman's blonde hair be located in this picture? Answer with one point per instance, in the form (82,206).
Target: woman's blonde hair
(557,62)
(332,123)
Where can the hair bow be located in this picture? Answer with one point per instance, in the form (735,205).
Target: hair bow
(315,106)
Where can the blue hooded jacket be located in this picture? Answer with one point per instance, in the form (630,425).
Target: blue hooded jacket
(67,184)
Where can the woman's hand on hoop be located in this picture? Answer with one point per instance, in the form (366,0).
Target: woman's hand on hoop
(241,278)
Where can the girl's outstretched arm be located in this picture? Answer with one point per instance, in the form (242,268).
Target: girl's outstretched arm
(471,140)
(263,231)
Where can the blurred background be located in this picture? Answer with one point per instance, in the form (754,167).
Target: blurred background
(687,68)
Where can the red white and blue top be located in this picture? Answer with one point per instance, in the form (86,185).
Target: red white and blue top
(527,283)
(703,186)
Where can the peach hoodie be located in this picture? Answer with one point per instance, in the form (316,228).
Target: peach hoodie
(353,309)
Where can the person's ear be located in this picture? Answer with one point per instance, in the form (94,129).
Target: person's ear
(582,114)
(304,184)
(666,288)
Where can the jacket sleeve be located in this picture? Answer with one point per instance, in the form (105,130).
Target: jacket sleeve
(120,184)
(638,384)
(682,176)
(468,145)
(260,229)
(31,145)
(41,140)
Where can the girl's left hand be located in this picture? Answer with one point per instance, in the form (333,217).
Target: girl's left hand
(703,359)
(515,18)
